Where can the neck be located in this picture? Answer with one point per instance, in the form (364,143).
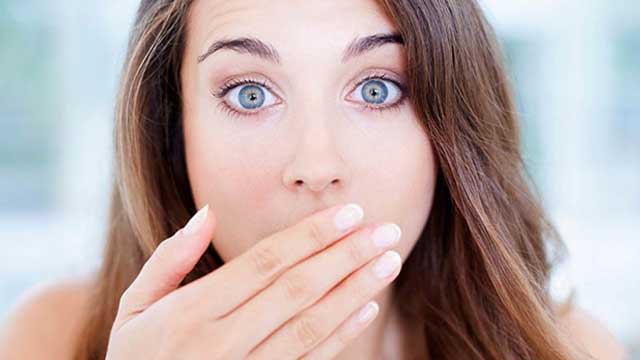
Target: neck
(383,338)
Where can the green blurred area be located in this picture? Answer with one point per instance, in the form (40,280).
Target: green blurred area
(28,109)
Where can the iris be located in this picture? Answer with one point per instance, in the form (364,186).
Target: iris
(251,97)
(374,91)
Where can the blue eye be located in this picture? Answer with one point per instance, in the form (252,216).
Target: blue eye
(377,91)
(250,97)
(247,97)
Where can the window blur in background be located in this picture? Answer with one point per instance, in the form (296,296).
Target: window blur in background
(575,66)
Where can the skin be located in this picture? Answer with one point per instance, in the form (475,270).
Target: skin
(312,152)
(313,146)
(247,168)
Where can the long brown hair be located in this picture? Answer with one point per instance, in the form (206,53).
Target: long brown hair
(477,281)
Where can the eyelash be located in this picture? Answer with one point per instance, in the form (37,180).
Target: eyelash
(223,90)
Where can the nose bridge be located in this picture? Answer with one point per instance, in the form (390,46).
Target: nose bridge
(316,129)
(317,160)
(314,113)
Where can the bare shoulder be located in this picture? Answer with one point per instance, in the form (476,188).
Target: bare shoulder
(591,334)
(44,321)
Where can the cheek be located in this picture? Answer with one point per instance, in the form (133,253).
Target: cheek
(400,180)
(420,174)
(398,160)
(226,165)
(237,180)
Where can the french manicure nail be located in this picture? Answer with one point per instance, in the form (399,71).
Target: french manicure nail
(348,216)
(368,312)
(386,235)
(387,264)
(196,221)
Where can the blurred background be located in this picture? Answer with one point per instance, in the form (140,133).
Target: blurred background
(575,65)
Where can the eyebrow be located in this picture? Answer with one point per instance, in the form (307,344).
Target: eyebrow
(256,47)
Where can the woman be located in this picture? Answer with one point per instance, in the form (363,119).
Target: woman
(269,117)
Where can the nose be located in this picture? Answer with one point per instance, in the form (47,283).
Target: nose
(318,165)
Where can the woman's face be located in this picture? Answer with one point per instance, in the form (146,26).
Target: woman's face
(302,130)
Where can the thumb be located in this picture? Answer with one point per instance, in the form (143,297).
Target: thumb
(172,260)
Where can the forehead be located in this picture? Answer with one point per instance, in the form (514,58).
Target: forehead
(293,27)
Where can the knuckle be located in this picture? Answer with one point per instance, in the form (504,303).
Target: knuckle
(161,255)
(124,300)
(355,252)
(174,303)
(128,299)
(265,260)
(125,294)
(316,233)
(220,352)
(342,337)
(361,286)
(296,288)
(308,330)
(162,248)
(364,285)
(188,307)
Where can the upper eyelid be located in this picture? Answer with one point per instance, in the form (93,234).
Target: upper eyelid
(233,83)
(270,87)
(398,83)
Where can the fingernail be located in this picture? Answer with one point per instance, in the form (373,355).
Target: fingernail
(368,312)
(348,216)
(386,235)
(196,221)
(387,264)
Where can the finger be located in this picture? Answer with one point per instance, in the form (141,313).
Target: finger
(307,329)
(349,330)
(241,278)
(306,283)
(170,263)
